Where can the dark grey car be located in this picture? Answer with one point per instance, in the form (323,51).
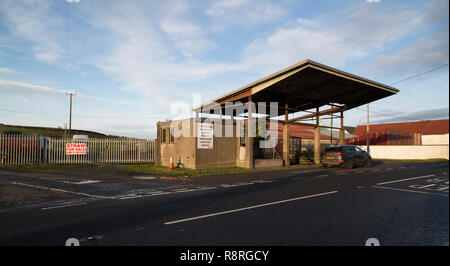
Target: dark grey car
(348,156)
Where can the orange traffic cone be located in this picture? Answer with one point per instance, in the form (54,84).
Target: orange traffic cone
(171,162)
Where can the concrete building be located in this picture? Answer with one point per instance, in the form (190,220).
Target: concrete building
(226,151)
(294,94)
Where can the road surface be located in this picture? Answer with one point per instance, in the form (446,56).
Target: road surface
(395,203)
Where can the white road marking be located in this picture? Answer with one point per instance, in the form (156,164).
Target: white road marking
(204,188)
(422,186)
(62,190)
(228,185)
(406,179)
(407,190)
(155,192)
(321,175)
(131,197)
(158,193)
(183,190)
(248,208)
(443,188)
(243,183)
(263,181)
(86,182)
(63,206)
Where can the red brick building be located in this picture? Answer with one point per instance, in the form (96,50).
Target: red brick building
(407,133)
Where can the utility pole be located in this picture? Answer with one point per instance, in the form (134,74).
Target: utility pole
(367,133)
(70,112)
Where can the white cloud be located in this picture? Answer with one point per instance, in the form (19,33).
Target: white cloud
(327,39)
(187,36)
(4,70)
(18,87)
(244,13)
(424,53)
(143,60)
(31,91)
(430,50)
(33,21)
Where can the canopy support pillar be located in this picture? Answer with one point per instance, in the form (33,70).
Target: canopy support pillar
(341,131)
(249,139)
(286,137)
(317,139)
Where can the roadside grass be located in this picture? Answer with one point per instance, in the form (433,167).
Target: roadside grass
(151,169)
(147,169)
(164,171)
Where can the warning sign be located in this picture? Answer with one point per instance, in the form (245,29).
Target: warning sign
(205,136)
(75,148)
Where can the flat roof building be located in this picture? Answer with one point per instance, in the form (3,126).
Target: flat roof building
(295,94)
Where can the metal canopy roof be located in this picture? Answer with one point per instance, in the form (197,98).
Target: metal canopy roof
(307,85)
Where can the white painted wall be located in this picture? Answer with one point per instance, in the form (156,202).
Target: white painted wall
(408,151)
(435,139)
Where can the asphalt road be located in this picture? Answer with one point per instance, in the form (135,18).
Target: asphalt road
(396,203)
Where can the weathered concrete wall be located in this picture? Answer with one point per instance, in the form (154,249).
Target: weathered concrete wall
(408,151)
(435,139)
(223,153)
(260,163)
(182,149)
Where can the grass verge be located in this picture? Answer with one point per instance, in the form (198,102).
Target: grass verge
(147,169)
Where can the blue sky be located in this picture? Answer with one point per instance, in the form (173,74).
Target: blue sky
(130,61)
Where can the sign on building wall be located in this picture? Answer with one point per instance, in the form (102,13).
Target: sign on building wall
(75,148)
(205,136)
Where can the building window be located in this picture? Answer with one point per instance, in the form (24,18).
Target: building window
(171,137)
(163,135)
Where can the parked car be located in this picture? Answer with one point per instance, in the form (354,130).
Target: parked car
(348,156)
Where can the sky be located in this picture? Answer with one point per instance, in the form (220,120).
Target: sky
(133,63)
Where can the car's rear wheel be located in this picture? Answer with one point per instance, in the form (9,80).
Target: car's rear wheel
(349,164)
(368,163)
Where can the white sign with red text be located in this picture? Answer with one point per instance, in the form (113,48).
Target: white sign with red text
(75,148)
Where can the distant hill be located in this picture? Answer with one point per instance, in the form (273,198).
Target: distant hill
(48,131)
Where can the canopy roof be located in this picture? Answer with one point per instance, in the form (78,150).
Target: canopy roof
(307,85)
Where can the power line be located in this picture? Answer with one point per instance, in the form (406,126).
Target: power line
(408,78)
(418,74)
